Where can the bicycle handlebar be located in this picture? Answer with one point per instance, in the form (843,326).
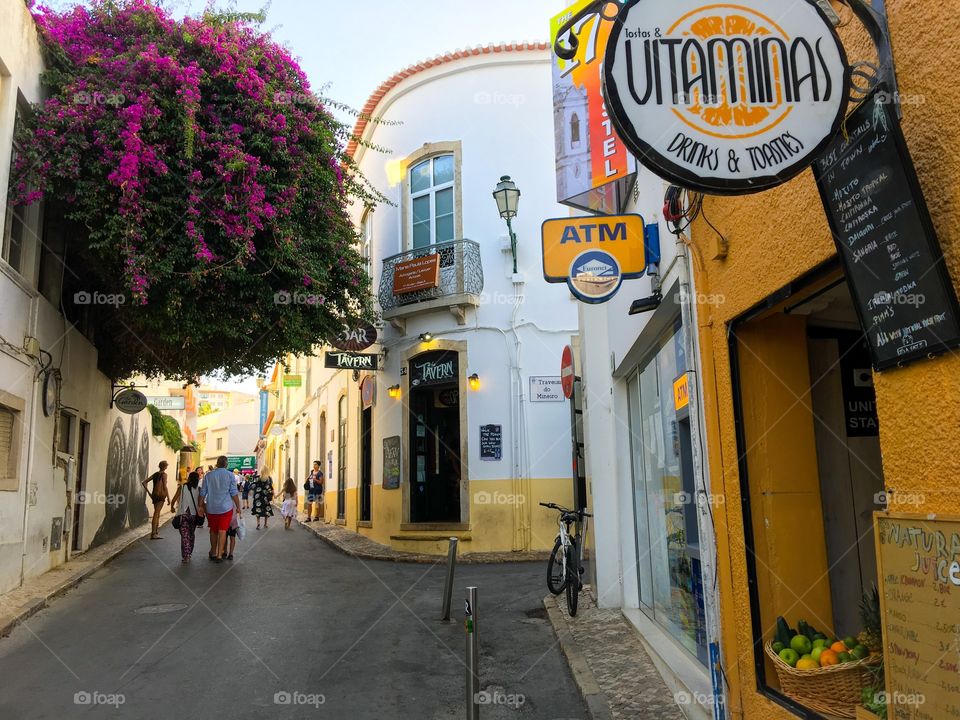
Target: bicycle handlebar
(554,506)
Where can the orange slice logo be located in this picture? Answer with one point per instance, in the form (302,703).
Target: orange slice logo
(730,114)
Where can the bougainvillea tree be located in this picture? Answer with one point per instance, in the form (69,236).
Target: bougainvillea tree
(204,184)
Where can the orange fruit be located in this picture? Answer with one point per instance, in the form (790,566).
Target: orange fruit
(838,647)
(829,657)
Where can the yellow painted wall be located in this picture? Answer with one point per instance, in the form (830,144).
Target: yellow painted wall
(791,551)
(776,236)
(495,515)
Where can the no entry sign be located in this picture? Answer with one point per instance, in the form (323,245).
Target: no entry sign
(566,372)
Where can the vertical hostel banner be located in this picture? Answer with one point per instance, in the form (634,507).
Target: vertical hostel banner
(594,170)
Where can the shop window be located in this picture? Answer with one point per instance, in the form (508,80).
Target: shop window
(669,568)
(810,469)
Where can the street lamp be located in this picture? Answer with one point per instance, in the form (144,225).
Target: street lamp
(507,196)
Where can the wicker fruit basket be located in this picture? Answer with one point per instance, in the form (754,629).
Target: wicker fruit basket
(834,690)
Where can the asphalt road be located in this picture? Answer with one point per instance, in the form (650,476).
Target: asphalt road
(290,629)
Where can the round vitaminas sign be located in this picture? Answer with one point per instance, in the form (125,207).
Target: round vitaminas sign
(726,98)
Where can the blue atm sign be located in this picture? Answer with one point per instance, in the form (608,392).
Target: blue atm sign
(593,255)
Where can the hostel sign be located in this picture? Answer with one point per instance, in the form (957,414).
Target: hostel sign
(725,98)
(593,255)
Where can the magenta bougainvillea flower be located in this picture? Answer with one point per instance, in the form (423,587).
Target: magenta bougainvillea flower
(201,177)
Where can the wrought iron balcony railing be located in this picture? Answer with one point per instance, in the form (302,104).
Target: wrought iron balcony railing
(461,280)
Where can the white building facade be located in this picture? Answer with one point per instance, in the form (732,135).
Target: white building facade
(463,429)
(70,465)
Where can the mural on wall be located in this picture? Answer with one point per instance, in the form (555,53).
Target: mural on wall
(128,460)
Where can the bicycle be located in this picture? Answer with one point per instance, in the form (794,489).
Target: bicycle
(564,569)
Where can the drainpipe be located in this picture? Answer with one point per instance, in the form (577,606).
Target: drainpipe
(31,430)
(705,522)
(515,422)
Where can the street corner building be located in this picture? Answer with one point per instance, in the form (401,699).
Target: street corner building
(451,424)
(786,376)
(71,463)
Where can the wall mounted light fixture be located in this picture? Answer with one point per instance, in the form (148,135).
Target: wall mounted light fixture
(426,337)
(474,381)
(393,391)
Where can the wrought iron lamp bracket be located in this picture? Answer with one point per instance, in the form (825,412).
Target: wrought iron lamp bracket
(870,18)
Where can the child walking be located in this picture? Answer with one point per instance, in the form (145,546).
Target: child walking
(245,492)
(289,507)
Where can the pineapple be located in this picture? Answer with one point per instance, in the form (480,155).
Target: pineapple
(872,635)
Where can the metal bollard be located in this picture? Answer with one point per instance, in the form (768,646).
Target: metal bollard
(448,583)
(473,655)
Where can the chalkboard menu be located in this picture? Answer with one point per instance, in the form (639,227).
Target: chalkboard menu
(918,563)
(391,462)
(491,442)
(885,238)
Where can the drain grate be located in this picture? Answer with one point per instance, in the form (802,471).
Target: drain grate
(162,608)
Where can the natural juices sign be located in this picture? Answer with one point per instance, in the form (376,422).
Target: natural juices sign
(725,98)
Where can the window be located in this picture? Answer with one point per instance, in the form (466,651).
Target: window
(669,566)
(9,445)
(366,232)
(432,201)
(219,443)
(574,130)
(342,459)
(65,434)
(15,221)
(307,460)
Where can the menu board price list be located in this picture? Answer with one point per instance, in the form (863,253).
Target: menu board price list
(886,240)
(919,565)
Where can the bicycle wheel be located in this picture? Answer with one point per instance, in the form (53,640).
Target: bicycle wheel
(573,578)
(555,570)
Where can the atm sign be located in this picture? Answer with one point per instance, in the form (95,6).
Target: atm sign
(564,239)
(681,392)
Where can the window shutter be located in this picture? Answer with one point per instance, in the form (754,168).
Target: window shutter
(7,451)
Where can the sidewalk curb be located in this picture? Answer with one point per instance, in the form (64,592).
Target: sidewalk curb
(390,555)
(593,696)
(35,605)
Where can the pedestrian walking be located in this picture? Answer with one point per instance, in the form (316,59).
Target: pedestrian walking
(313,493)
(247,487)
(188,511)
(219,500)
(289,507)
(232,533)
(159,495)
(263,499)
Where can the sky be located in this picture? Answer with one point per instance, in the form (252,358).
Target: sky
(354,46)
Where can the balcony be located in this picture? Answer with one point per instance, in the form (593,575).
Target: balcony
(459,287)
